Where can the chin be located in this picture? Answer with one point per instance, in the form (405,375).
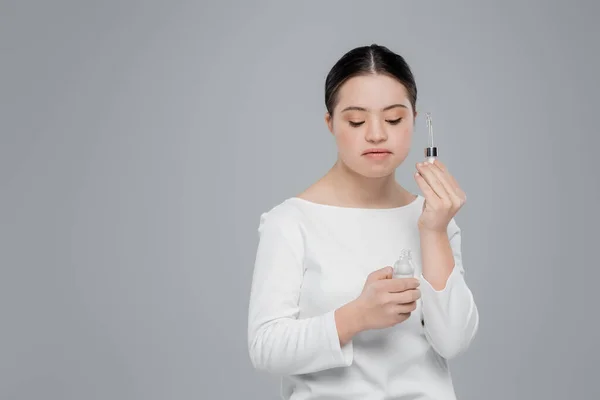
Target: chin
(374,171)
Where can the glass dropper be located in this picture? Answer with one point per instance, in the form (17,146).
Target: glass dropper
(430,151)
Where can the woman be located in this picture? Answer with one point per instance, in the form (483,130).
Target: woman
(325,311)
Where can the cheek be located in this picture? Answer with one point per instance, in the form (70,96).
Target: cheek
(403,135)
(400,141)
(346,139)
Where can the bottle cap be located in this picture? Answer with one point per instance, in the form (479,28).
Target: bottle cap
(431,152)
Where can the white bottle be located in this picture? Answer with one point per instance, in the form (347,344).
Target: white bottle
(404,267)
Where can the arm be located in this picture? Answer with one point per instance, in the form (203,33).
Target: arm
(278,341)
(449,311)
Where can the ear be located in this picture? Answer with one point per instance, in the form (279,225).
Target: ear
(329,122)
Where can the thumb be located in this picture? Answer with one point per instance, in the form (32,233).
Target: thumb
(383,273)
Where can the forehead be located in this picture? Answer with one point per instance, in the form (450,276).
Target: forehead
(373,92)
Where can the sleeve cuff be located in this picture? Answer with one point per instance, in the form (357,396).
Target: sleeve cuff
(450,282)
(342,356)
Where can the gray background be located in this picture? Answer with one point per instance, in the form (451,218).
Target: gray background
(140,141)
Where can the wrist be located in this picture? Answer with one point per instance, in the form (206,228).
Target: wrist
(428,232)
(349,321)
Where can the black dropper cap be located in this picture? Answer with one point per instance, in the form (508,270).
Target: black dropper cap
(431,152)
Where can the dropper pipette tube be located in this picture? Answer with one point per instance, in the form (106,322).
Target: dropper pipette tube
(430,150)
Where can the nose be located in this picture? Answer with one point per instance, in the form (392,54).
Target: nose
(376,133)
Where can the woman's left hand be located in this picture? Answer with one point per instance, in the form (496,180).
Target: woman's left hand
(443,196)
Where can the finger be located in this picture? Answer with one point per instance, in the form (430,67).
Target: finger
(451,179)
(401,316)
(430,196)
(442,167)
(443,179)
(407,296)
(405,308)
(397,285)
(428,172)
(383,273)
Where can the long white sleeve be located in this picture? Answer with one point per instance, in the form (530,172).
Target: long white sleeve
(450,315)
(278,341)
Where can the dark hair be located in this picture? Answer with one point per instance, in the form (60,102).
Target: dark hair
(365,60)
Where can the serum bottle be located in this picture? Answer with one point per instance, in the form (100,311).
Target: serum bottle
(403,267)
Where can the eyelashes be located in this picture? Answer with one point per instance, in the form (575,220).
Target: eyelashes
(356,124)
(391,122)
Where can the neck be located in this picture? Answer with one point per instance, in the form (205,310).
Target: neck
(356,190)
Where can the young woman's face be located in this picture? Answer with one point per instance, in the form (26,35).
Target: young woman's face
(373,112)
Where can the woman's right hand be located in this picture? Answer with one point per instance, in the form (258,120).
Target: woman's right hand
(383,302)
(386,301)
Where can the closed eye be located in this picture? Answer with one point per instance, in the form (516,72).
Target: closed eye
(357,124)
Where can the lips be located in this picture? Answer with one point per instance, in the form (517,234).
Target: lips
(377,151)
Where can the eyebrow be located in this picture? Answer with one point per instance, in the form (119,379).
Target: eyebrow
(364,109)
